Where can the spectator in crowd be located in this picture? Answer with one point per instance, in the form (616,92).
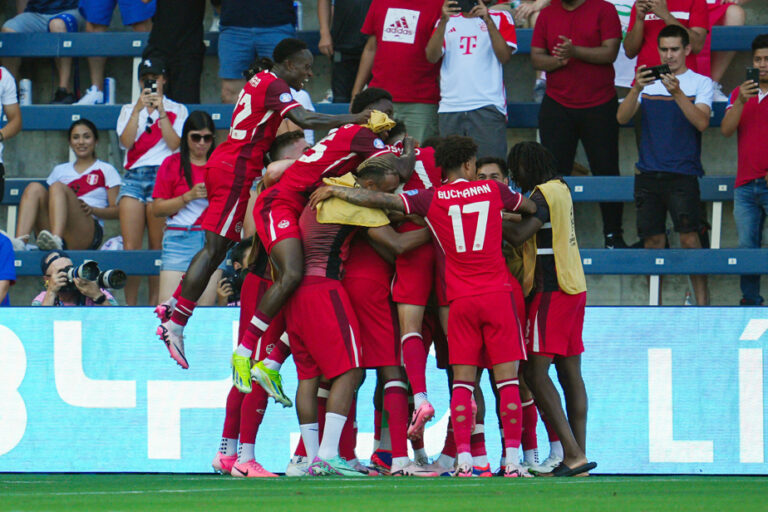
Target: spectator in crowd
(98,16)
(9,108)
(670,148)
(721,12)
(342,42)
(180,197)
(623,66)
(60,291)
(229,287)
(525,15)
(56,16)
(248,28)
(748,115)
(394,59)
(649,17)
(473,46)
(79,195)
(177,38)
(573,40)
(7,269)
(149,131)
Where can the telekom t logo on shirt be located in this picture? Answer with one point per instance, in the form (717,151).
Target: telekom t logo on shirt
(468,43)
(400,26)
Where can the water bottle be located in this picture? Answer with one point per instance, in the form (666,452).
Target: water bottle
(299,14)
(109,91)
(25,92)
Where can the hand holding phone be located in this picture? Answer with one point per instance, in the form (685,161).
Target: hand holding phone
(466,5)
(754,75)
(657,71)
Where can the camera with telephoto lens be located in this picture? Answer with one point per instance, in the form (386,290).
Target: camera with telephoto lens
(235,279)
(113,279)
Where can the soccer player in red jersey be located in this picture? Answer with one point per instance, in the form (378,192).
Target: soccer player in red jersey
(278,209)
(556,289)
(465,218)
(263,103)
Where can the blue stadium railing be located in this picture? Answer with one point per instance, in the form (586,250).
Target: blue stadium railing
(131,44)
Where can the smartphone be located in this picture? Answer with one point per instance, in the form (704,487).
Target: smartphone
(657,71)
(466,5)
(151,85)
(754,75)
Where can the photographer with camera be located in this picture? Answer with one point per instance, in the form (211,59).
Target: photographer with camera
(675,103)
(67,285)
(230,285)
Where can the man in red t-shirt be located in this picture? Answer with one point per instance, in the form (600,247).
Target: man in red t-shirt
(465,219)
(576,42)
(264,101)
(748,115)
(394,59)
(647,19)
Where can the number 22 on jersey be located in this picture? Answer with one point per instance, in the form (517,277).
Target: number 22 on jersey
(456,213)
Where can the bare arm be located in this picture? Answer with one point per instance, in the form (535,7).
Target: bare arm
(111,211)
(516,233)
(5,285)
(358,196)
(634,39)
(366,65)
(434,47)
(696,114)
(543,61)
(128,137)
(732,116)
(13,126)
(171,138)
(168,207)
(604,54)
(314,121)
(500,47)
(628,107)
(275,171)
(697,35)
(398,243)
(324,20)
(406,162)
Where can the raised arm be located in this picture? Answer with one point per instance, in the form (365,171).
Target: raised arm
(314,121)
(398,243)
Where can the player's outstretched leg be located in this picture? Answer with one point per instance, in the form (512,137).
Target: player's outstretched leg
(252,413)
(198,274)
(267,372)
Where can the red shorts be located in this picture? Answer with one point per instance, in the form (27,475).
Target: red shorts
(325,337)
(414,276)
(441,291)
(253,290)
(484,323)
(555,322)
(377,316)
(276,214)
(228,196)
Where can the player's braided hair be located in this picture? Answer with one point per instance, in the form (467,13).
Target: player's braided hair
(284,50)
(367,97)
(375,168)
(531,164)
(453,151)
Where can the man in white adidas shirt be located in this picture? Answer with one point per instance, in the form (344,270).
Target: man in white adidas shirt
(474,45)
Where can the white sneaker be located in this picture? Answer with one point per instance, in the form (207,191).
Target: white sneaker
(19,244)
(719,96)
(413,469)
(297,466)
(547,465)
(93,96)
(47,241)
(421,460)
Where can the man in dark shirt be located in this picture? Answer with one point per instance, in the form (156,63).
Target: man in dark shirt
(250,28)
(341,40)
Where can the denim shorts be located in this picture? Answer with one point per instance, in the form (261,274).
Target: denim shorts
(36,22)
(180,244)
(138,183)
(238,47)
(99,12)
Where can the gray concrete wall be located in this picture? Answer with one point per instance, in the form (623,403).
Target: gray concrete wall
(33,154)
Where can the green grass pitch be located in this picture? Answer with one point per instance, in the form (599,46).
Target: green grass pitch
(41,492)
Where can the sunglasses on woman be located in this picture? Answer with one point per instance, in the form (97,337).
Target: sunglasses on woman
(196,137)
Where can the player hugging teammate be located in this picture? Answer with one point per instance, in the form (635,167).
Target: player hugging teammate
(319,279)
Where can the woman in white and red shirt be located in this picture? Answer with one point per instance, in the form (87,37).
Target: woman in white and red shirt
(149,132)
(69,212)
(180,196)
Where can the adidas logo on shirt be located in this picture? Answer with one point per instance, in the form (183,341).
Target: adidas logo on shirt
(400,26)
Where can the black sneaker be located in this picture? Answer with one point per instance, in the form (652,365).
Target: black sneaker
(62,97)
(748,302)
(614,241)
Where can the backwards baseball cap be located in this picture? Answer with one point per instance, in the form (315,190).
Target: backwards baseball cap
(47,259)
(154,66)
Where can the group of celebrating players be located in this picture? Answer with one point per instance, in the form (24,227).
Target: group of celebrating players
(347,275)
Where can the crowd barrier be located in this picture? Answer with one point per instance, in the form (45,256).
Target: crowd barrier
(672,390)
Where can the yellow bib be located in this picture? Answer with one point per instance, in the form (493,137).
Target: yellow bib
(337,211)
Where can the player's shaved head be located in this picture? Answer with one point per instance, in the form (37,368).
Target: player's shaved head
(454,151)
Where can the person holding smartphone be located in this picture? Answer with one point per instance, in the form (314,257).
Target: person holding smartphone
(748,115)
(150,131)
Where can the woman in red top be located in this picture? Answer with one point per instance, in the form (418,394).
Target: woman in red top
(180,196)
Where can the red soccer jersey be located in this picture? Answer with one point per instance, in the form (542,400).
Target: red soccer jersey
(753,132)
(690,13)
(326,246)
(337,154)
(426,174)
(465,218)
(588,25)
(364,262)
(260,109)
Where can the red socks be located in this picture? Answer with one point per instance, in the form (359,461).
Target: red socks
(511,412)
(252,412)
(259,324)
(280,353)
(300,451)
(396,406)
(348,439)
(415,359)
(449,448)
(477,441)
(461,415)
(177,294)
(232,415)
(530,418)
(182,311)
(377,425)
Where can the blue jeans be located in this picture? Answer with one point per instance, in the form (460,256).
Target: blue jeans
(238,47)
(750,206)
